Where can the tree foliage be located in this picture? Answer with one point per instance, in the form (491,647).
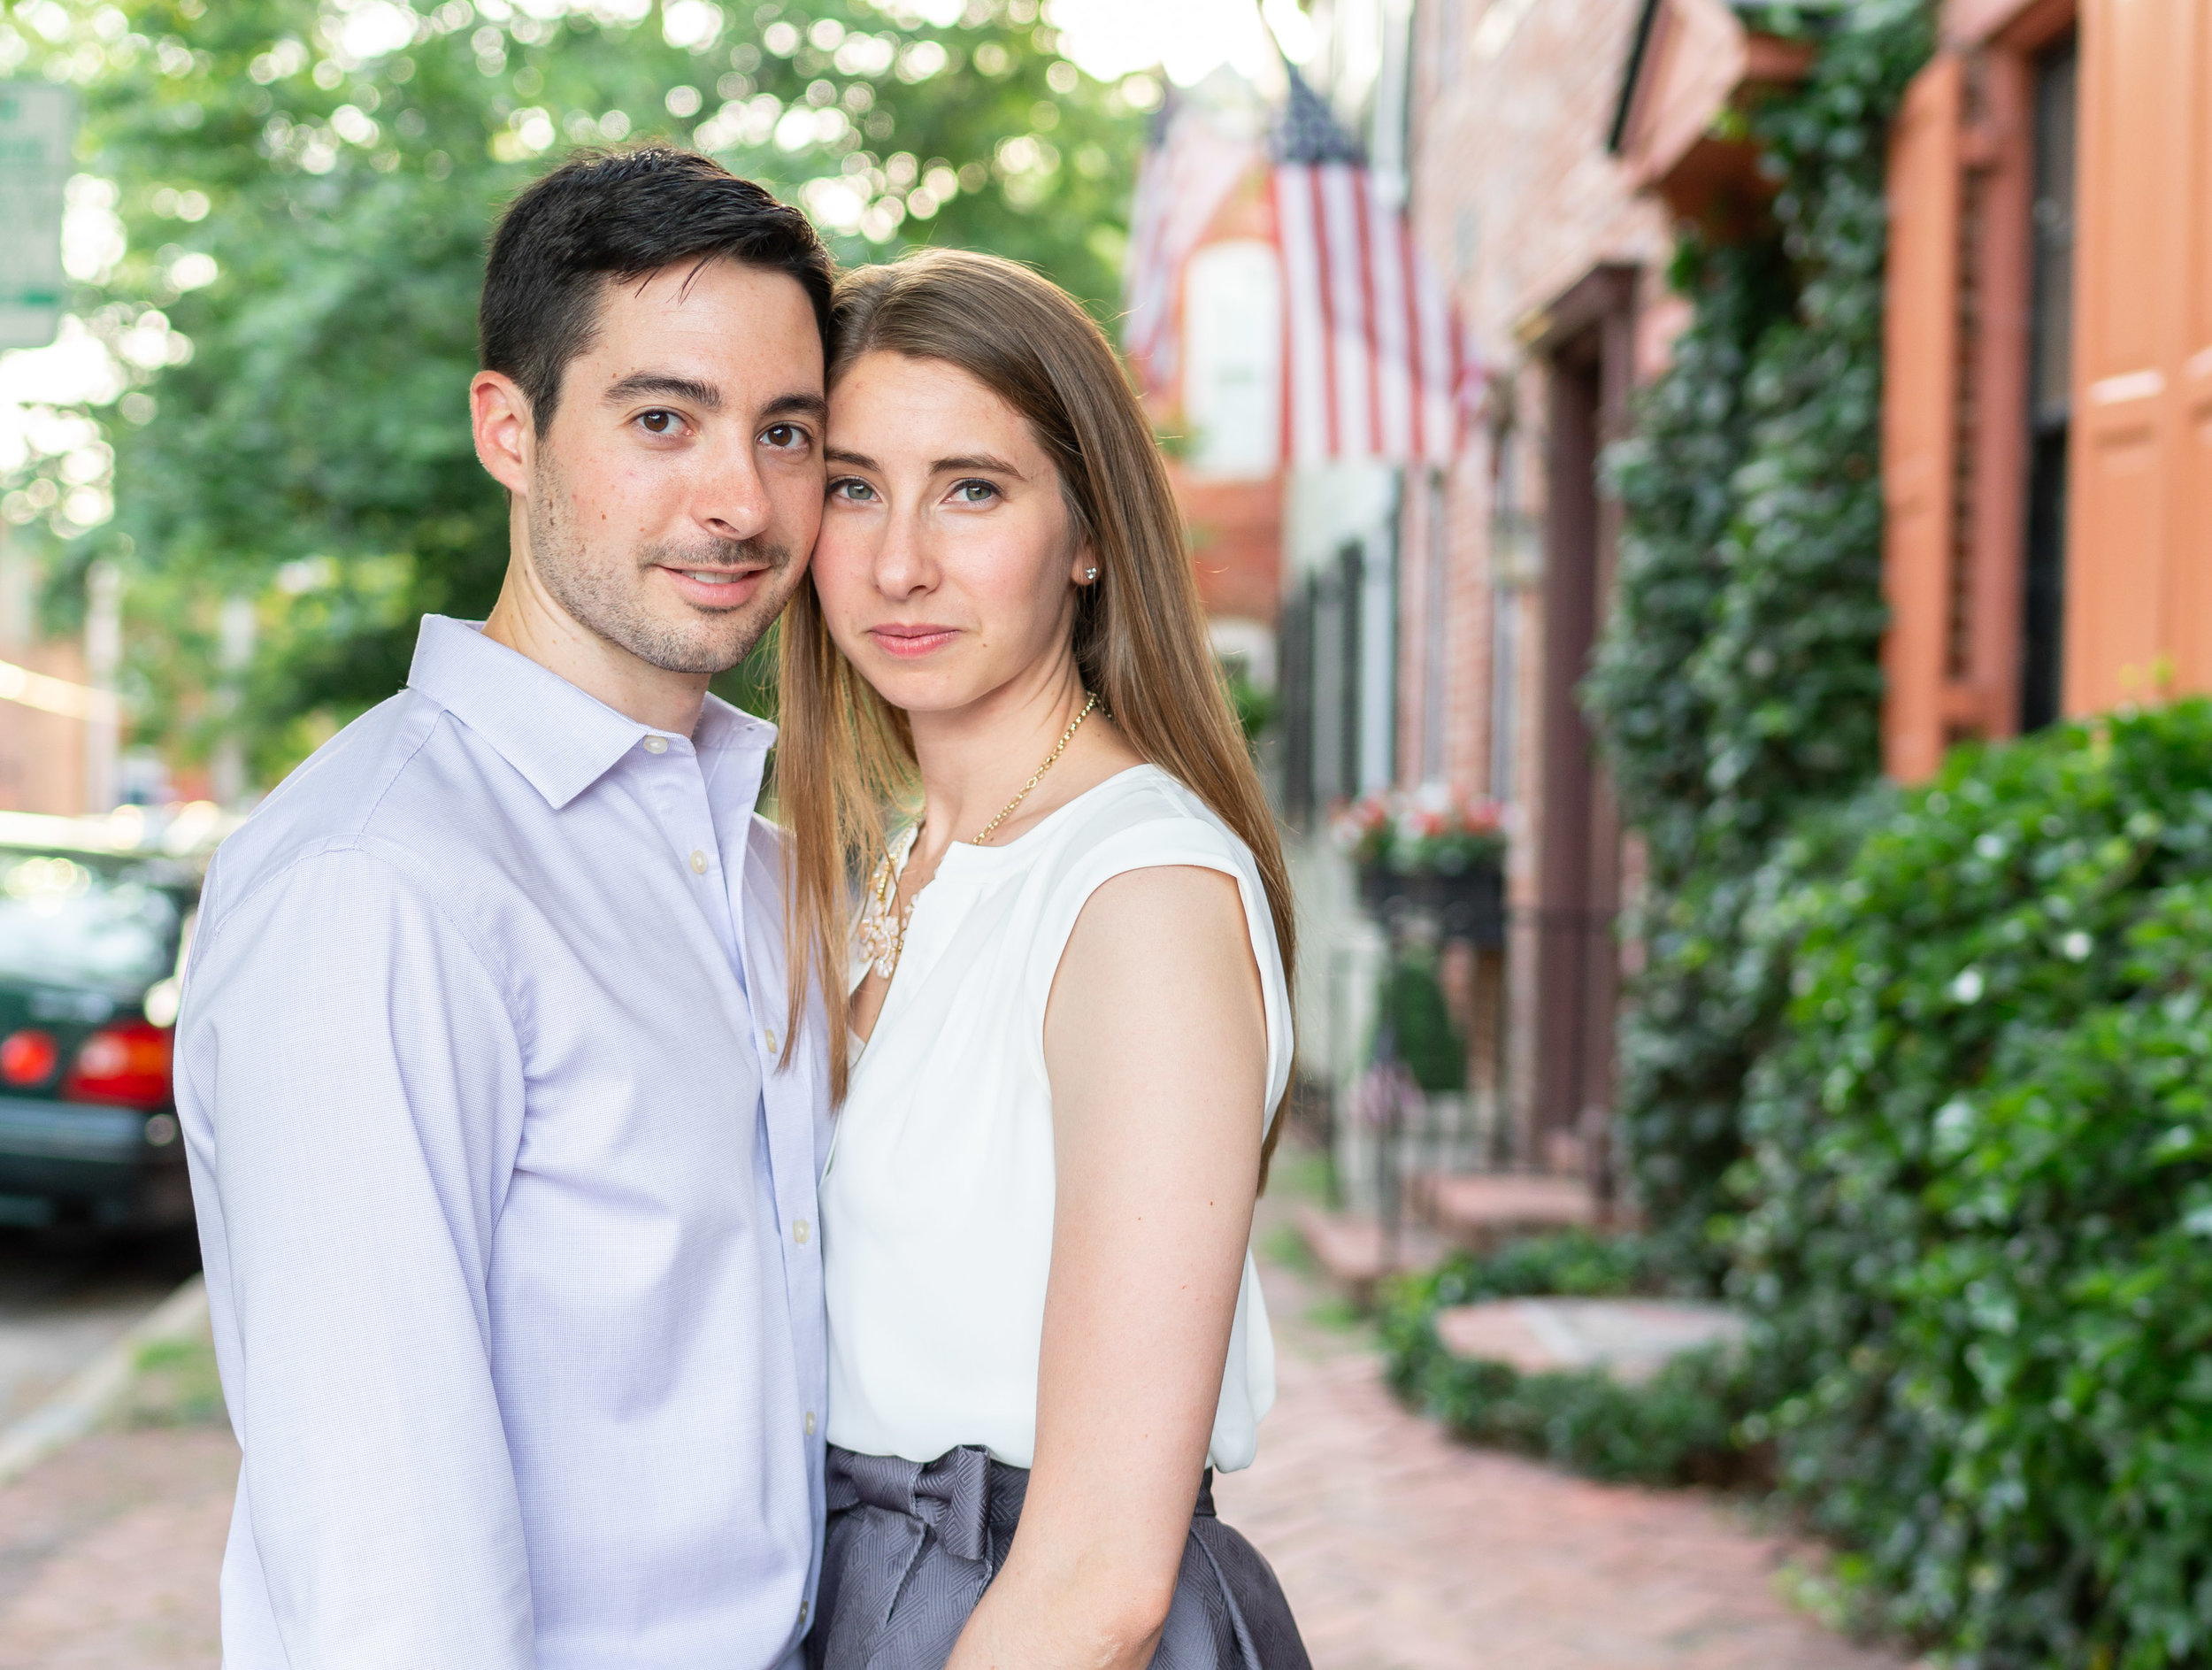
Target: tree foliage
(305,188)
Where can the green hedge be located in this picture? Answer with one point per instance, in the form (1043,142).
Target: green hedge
(1682,1426)
(1980,1235)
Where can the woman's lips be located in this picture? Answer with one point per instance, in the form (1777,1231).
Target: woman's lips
(911,644)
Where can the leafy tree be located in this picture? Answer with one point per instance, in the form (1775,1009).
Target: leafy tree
(306,189)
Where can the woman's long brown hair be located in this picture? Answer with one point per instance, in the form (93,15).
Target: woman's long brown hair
(846,756)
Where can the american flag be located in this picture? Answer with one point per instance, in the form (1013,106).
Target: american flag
(1192,164)
(1375,359)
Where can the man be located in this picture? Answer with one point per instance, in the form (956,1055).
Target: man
(505,1186)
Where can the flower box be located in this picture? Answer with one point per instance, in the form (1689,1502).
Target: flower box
(1429,853)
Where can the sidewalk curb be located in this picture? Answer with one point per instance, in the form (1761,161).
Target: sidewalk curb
(92,1394)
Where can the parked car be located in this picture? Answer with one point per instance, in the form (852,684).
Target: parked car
(94,916)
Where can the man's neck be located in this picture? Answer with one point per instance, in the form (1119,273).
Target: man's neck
(529,620)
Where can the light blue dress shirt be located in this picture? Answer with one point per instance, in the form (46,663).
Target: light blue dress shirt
(507,1206)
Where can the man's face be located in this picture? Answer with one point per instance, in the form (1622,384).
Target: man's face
(674,496)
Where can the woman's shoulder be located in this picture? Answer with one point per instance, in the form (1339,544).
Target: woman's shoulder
(1139,816)
(1138,820)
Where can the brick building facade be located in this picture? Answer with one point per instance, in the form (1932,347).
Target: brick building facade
(1506,557)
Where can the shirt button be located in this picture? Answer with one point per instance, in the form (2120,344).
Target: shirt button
(770,1034)
(803,1614)
(799,1230)
(656,744)
(810,1423)
(698,862)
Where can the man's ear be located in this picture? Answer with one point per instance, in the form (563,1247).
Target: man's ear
(499,415)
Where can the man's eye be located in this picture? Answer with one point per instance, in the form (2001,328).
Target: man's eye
(658,422)
(975,492)
(784,435)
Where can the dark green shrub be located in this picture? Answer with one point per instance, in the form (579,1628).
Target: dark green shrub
(1980,1241)
(1411,1008)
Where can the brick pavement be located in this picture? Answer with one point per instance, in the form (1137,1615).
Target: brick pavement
(108,1553)
(1401,1549)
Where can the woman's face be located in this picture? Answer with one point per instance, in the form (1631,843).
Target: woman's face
(948,562)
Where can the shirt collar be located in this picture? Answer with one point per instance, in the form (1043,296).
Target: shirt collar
(561,739)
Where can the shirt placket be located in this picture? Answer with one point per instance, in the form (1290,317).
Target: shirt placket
(789,1115)
(730,780)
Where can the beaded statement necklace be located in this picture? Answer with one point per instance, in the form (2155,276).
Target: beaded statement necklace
(882,932)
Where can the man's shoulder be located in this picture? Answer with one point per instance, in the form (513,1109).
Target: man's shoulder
(352,794)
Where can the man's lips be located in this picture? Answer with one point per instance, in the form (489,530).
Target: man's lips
(911,643)
(715,588)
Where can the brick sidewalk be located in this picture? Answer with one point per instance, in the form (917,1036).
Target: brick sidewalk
(1401,1549)
(109,1553)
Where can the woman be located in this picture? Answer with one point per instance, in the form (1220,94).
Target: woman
(1071,1015)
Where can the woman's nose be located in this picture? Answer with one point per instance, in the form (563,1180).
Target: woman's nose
(903,565)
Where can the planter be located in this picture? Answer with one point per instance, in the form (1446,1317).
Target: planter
(1470,906)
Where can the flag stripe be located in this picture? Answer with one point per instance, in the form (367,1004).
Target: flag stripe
(1350,362)
(1394,370)
(1305,317)
(1373,357)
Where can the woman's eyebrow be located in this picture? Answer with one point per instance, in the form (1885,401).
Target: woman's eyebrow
(977,461)
(857,461)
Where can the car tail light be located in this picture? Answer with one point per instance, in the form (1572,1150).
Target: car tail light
(128,1065)
(28,1057)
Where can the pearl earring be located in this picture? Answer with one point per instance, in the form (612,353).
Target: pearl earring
(1089,574)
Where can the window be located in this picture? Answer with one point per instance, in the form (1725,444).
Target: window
(1435,686)
(1513,567)
(1231,377)
(2050,381)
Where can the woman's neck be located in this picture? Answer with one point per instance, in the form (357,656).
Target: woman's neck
(975,759)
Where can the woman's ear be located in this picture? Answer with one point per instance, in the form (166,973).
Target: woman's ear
(1086,566)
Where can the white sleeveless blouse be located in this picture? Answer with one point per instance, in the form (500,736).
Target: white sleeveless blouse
(937,1204)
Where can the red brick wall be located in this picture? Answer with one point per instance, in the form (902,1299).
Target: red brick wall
(1514,197)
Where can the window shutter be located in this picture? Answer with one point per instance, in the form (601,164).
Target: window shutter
(1919,414)
(2138,584)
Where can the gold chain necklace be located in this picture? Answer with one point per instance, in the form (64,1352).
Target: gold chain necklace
(882,931)
(1051,760)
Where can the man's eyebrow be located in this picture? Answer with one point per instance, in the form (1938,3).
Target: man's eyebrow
(703,394)
(976,461)
(798,404)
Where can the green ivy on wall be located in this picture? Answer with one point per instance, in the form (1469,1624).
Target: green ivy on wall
(1738,685)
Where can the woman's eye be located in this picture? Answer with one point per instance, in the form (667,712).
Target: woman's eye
(852,492)
(658,422)
(975,492)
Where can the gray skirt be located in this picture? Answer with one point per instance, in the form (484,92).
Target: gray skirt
(912,1546)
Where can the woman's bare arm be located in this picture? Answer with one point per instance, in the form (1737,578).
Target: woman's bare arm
(1155,1039)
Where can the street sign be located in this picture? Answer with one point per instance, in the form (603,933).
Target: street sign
(38,124)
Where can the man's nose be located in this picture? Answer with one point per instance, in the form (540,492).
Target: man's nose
(730,501)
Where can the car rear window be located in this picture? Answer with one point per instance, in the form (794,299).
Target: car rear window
(68,919)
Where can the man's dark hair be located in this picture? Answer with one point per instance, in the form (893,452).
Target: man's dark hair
(615,215)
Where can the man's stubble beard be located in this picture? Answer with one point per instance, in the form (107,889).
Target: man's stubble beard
(609,599)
